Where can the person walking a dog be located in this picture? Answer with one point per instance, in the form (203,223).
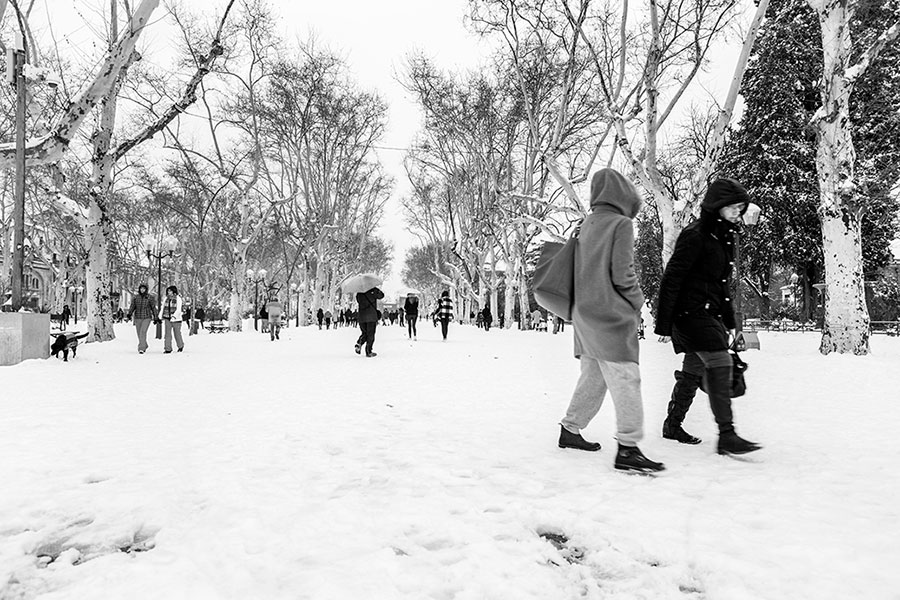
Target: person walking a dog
(143,310)
(170,314)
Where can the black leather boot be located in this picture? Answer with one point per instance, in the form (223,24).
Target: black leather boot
(731,443)
(675,432)
(683,393)
(567,439)
(718,386)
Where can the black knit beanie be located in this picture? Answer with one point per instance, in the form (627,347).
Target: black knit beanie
(724,192)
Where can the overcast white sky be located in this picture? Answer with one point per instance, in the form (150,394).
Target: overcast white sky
(374,37)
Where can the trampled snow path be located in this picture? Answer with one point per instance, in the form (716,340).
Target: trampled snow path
(245,469)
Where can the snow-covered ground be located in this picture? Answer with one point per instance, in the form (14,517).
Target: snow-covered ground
(247,469)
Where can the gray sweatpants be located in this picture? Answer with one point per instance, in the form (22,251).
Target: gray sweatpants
(142,325)
(172,327)
(623,380)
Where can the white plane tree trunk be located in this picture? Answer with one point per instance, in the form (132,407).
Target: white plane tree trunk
(841,206)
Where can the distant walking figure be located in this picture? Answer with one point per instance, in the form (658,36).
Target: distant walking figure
(411,310)
(444,312)
(487,318)
(143,309)
(275,309)
(170,314)
(368,319)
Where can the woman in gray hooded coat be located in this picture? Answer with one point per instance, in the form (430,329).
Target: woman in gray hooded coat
(606,315)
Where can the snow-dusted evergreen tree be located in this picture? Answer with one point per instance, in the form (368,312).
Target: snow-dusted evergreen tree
(774,151)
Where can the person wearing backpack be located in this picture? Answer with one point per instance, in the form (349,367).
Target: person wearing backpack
(605,317)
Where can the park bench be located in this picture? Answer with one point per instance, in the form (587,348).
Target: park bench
(218,326)
(887,327)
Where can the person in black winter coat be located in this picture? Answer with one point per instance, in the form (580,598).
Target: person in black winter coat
(486,317)
(695,309)
(368,319)
(411,309)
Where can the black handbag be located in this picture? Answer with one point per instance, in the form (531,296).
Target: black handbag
(738,383)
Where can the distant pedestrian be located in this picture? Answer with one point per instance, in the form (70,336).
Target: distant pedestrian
(264,319)
(558,323)
(444,312)
(487,318)
(143,311)
(411,309)
(605,314)
(536,319)
(695,309)
(368,319)
(274,308)
(320,316)
(401,315)
(66,314)
(170,315)
(327,320)
(200,315)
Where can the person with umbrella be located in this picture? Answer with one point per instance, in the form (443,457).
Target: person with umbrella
(368,319)
(367,296)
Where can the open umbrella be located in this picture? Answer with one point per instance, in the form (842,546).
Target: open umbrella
(360,283)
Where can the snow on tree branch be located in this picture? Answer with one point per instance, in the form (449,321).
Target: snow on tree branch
(187,98)
(854,72)
(51,147)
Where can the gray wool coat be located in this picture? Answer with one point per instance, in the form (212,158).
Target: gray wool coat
(608,299)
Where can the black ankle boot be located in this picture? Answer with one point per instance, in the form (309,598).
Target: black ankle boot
(567,439)
(731,443)
(672,431)
(630,458)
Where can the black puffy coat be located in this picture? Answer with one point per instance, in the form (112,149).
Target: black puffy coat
(411,306)
(368,305)
(695,305)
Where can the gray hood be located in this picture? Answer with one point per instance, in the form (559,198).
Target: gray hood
(609,187)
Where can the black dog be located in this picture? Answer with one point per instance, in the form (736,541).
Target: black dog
(64,342)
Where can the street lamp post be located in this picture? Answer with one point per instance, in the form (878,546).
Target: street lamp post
(295,288)
(16,59)
(255,281)
(158,250)
(75,290)
(749,218)
(19,74)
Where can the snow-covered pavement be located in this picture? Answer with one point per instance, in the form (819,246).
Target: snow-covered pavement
(249,469)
